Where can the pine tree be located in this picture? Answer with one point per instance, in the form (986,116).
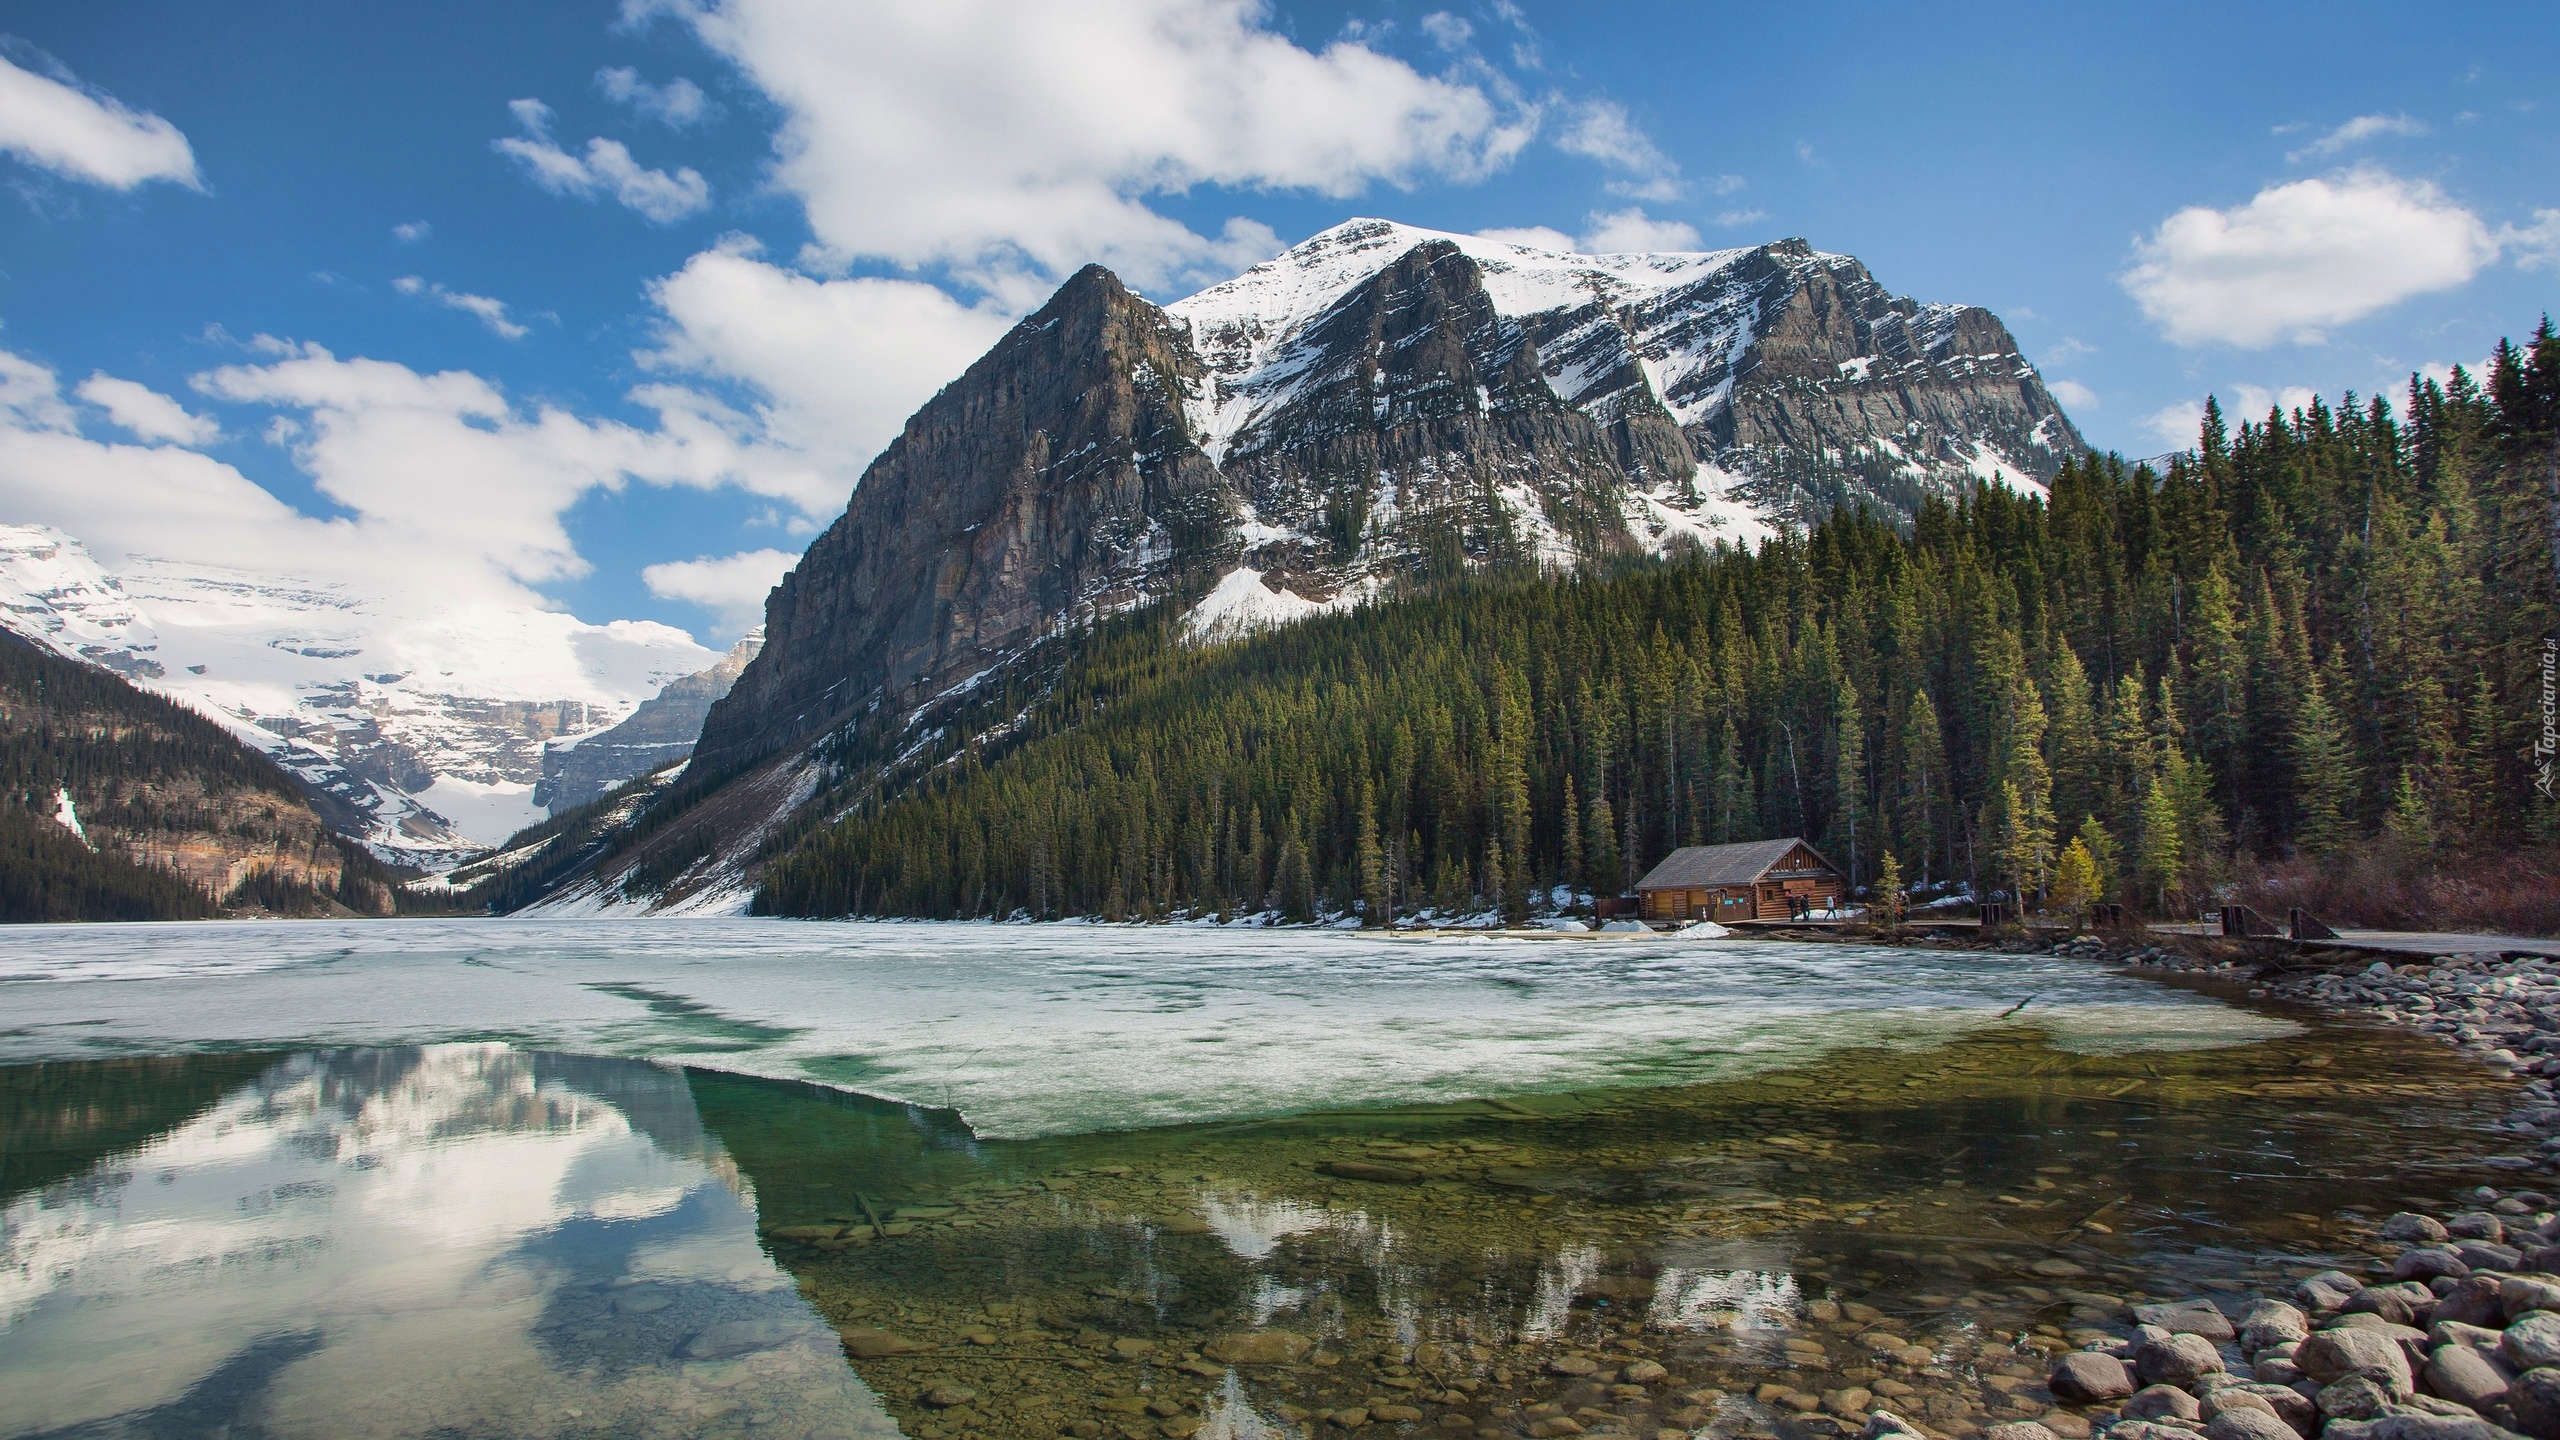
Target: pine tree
(2163,853)
(1600,847)
(1571,825)
(1924,780)
(1849,774)
(1368,864)
(2075,881)
(2325,782)
(1888,890)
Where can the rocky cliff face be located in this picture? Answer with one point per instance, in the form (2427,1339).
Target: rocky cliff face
(662,730)
(1375,405)
(1054,480)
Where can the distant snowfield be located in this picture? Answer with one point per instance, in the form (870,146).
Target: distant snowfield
(319,675)
(1055,1029)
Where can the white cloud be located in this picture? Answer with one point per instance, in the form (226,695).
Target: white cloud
(489,312)
(1447,30)
(1631,230)
(2073,394)
(412,231)
(607,169)
(2179,423)
(2304,256)
(1725,185)
(2176,424)
(1608,233)
(82,135)
(836,365)
(31,396)
(1536,237)
(1602,130)
(731,587)
(1749,215)
(146,412)
(676,104)
(1014,143)
(2252,402)
(2355,132)
(2538,243)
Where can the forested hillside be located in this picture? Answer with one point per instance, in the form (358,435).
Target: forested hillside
(120,805)
(2322,633)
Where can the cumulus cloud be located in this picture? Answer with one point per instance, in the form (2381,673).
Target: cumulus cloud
(731,587)
(676,104)
(1606,233)
(1745,215)
(2301,257)
(488,311)
(146,412)
(2179,423)
(834,366)
(412,231)
(1012,144)
(605,169)
(2355,132)
(1602,130)
(1632,230)
(2073,394)
(55,124)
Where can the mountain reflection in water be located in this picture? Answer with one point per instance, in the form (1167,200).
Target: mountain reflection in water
(457,1240)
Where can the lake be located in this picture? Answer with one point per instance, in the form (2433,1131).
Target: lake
(748,1177)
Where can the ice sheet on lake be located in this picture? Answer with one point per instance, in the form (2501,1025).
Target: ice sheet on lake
(1055,1029)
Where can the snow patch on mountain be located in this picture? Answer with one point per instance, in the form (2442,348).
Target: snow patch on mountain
(1241,604)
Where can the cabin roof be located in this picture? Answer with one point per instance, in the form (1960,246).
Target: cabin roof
(1708,865)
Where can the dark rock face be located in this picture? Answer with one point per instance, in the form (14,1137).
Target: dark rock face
(1056,477)
(662,729)
(1413,398)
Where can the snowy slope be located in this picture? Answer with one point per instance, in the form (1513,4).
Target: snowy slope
(1798,382)
(430,727)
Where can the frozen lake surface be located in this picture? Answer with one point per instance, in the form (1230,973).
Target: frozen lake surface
(1032,1030)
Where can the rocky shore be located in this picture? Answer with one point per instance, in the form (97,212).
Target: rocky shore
(2456,1337)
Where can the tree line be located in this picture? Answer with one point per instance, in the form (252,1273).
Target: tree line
(2324,631)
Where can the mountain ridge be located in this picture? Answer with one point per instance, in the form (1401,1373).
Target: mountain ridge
(1375,407)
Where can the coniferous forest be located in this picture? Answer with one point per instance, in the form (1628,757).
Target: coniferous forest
(2319,638)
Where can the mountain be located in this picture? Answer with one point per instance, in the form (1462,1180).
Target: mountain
(1376,407)
(579,768)
(420,731)
(116,804)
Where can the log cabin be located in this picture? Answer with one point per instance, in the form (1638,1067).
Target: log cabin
(1753,880)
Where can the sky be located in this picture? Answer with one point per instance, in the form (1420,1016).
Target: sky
(603,305)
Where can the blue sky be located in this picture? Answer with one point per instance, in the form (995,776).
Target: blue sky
(325,255)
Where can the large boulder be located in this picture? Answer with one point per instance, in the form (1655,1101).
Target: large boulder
(2333,1355)
(2175,1360)
(2411,1228)
(2161,1402)
(2521,1295)
(2415,1427)
(2467,1376)
(2534,1399)
(2187,1317)
(2085,1377)
(2272,1322)
(2426,1262)
(2248,1424)
(2327,1291)
(2472,1301)
(2533,1342)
